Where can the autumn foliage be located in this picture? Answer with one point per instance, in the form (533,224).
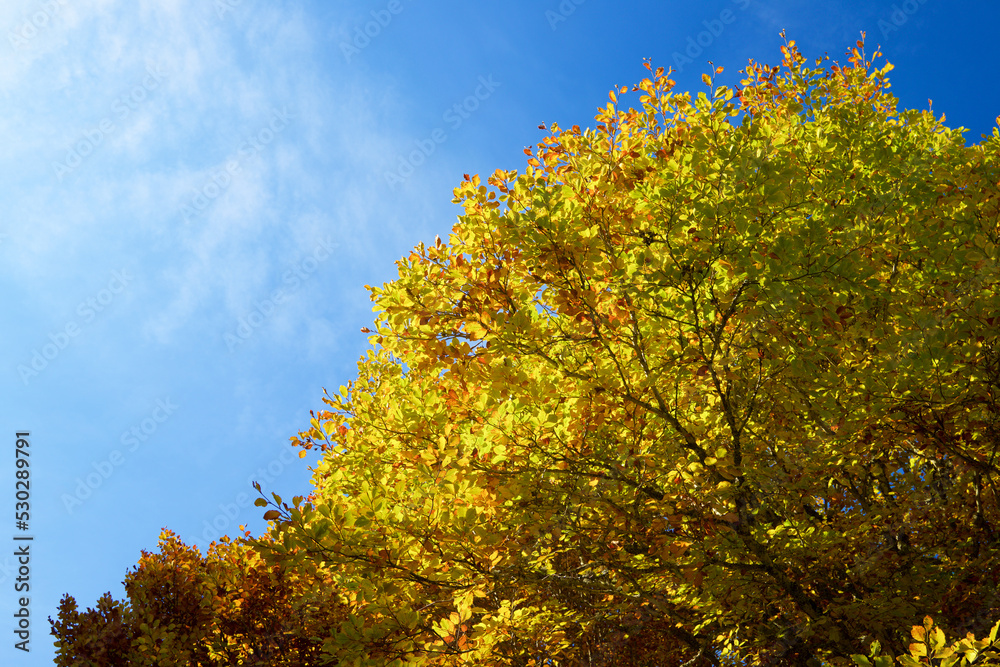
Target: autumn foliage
(229,607)
(714,383)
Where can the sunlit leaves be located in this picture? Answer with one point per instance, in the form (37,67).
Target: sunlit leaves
(748,328)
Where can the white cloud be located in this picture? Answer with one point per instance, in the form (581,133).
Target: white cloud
(221,81)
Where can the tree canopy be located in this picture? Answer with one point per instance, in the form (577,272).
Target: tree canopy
(712,383)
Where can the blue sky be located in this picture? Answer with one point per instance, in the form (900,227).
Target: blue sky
(194,195)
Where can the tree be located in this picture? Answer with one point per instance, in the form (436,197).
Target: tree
(226,608)
(715,382)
